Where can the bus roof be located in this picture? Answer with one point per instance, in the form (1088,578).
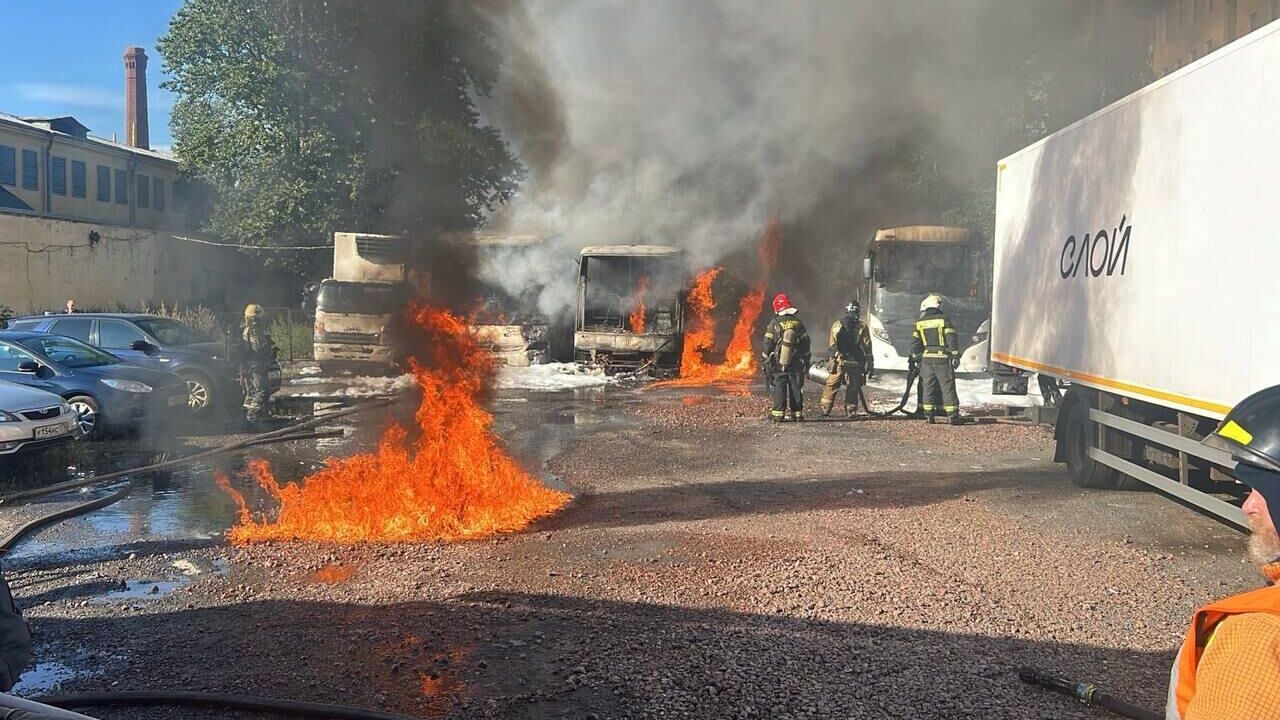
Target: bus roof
(630,250)
(927,234)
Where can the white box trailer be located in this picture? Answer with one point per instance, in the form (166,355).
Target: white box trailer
(1135,257)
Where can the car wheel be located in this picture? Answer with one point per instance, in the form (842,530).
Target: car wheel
(88,412)
(199,392)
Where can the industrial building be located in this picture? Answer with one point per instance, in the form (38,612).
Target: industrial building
(102,221)
(1186,30)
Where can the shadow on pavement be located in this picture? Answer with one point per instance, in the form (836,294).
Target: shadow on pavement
(520,655)
(736,498)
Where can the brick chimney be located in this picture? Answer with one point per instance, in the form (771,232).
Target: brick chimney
(135,98)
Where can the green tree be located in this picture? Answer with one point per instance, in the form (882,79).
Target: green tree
(302,118)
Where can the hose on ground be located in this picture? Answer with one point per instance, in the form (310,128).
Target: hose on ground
(13,705)
(912,374)
(293,429)
(1086,693)
(33,525)
(220,700)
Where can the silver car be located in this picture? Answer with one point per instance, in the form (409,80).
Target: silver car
(32,418)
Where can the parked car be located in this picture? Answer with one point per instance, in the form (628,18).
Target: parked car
(160,343)
(103,389)
(31,418)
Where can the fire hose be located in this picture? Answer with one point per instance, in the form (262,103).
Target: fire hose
(285,432)
(248,703)
(1086,693)
(819,374)
(292,432)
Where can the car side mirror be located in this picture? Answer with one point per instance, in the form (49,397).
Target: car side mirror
(29,366)
(143,346)
(866,268)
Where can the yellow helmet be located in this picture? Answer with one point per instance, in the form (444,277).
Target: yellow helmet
(252,310)
(933,301)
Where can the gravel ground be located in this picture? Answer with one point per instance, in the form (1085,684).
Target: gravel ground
(711,566)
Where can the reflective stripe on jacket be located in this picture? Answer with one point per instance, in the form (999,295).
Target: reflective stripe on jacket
(934,336)
(1183,676)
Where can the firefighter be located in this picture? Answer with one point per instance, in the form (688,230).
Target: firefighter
(255,367)
(786,359)
(935,350)
(849,362)
(1229,662)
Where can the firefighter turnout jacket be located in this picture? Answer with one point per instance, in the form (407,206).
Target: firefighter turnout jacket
(851,341)
(1229,663)
(934,337)
(786,344)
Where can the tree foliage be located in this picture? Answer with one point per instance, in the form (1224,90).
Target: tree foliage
(304,118)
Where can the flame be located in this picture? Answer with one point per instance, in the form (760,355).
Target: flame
(700,337)
(451,481)
(636,321)
(739,365)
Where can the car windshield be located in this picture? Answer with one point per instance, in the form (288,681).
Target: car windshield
(68,352)
(171,332)
(360,298)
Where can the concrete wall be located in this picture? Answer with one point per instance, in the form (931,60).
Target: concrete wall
(44,261)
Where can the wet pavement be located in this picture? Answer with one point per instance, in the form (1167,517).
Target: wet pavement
(708,561)
(185,506)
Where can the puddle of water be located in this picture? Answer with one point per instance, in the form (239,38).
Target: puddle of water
(141,590)
(43,678)
(332,574)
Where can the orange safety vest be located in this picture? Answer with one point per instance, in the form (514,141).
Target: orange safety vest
(1182,679)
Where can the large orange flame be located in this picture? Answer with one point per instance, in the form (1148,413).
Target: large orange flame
(739,365)
(452,481)
(636,320)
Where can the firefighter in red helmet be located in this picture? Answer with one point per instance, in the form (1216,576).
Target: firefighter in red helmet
(786,360)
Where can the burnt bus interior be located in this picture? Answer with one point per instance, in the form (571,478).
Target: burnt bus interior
(611,288)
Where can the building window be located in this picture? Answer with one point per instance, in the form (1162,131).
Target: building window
(78,181)
(104,183)
(157,193)
(122,187)
(58,176)
(30,170)
(144,191)
(8,165)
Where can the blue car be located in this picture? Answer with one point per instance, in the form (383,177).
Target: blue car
(159,343)
(104,390)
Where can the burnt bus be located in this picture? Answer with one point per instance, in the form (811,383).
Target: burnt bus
(630,310)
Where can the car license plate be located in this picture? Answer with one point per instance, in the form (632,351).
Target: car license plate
(177,400)
(51,430)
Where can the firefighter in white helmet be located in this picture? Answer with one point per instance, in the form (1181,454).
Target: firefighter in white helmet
(936,351)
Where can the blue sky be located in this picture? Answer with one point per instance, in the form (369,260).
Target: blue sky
(65,57)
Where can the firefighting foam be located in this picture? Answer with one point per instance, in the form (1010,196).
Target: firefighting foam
(447,480)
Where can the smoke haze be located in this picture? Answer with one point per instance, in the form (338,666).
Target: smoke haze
(693,123)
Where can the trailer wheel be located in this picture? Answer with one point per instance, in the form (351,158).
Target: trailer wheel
(1076,439)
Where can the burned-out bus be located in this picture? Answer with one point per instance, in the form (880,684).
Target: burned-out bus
(630,311)
(906,264)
